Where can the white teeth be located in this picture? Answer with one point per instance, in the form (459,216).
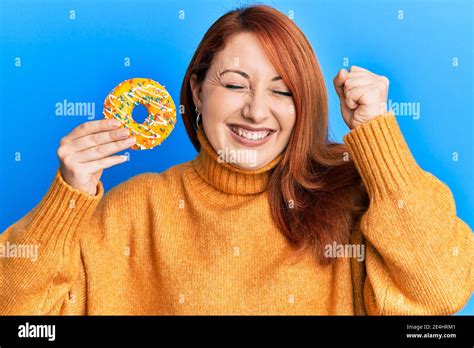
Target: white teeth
(249,134)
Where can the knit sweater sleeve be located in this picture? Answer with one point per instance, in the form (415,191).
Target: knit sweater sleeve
(418,253)
(49,282)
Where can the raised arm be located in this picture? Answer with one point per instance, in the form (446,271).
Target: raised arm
(419,254)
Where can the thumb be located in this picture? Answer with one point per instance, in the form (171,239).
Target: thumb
(339,81)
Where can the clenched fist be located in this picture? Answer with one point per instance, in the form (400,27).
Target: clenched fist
(362,94)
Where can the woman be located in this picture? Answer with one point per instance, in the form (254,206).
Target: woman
(269,218)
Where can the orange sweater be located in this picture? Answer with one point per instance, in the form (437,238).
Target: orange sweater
(199,239)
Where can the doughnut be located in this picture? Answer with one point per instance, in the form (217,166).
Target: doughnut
(161,119)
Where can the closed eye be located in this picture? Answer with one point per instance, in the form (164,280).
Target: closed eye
(287,94)
(233,87)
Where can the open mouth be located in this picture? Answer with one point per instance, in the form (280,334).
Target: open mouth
(250,135)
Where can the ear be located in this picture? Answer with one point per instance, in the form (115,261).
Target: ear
(196,90)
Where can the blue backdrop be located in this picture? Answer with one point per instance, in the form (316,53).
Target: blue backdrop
(76,51)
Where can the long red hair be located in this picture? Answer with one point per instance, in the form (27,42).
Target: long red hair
(315,193)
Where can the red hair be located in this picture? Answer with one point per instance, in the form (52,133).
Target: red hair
(315,193)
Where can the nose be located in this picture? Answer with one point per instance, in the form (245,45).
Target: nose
(257,109)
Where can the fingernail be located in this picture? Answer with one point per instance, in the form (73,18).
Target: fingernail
(131,140)
(123,133)
(114,123)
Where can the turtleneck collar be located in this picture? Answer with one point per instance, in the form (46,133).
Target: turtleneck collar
(228,178)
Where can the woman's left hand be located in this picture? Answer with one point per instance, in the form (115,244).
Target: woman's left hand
(362,94)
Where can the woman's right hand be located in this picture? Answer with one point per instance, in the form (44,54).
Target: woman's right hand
(86,151)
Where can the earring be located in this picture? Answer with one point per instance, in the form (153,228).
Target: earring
(197,117)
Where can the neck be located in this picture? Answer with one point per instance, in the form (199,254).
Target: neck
(228,178)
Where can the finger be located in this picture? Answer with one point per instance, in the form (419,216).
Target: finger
(104,163)
(92,127)
(355,95)
(104,150)
(355,68)
(353,74)
(338,81)
(96,139)
(352,97)
(356,82)
(360,74)
(350,103)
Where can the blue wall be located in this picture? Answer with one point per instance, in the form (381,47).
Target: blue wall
(51,51)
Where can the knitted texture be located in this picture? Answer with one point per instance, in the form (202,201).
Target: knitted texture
(199,239)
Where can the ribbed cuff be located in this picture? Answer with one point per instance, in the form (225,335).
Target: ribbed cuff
(382,156)
(59,214)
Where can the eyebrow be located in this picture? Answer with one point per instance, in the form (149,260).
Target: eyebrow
(244,74)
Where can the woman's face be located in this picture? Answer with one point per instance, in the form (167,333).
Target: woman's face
(247,110)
